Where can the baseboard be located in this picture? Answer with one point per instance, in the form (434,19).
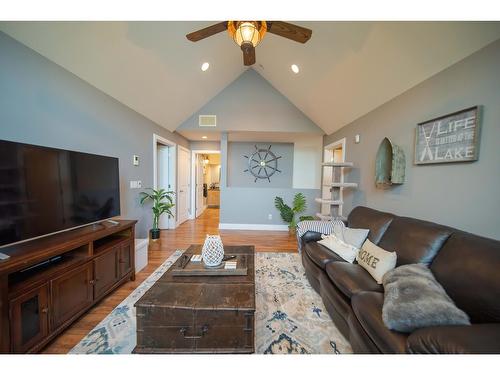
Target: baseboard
(277,227)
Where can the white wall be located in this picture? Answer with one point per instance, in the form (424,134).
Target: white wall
(307,158)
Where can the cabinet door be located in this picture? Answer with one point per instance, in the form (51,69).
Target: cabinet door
(29,319)
(105,272)
(71,293)
(125,259)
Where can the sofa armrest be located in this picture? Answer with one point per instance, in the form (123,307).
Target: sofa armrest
(473,339)
(311,236)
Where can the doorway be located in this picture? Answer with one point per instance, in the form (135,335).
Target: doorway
(183,185)
(333,153)
(205,193)
(164,171)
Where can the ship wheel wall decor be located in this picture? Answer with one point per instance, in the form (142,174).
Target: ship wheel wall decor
(263,163)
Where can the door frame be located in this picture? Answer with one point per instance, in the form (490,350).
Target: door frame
(190,184)
(194,154)
(172,170)
(326,150)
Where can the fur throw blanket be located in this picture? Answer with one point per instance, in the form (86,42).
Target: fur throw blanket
(414,299)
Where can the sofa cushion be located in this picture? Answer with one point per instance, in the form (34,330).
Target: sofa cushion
(353,236)
(320,254)
(339,247)
(468,268)
(351,278)
(375,221)
(474,339)
(376,260)
(415,241)
(367,306)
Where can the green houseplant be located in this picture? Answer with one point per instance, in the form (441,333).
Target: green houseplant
(288,213)
(162,203)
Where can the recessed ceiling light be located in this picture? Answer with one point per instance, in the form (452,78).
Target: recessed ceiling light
(295,68)
(205,66)
(204,137)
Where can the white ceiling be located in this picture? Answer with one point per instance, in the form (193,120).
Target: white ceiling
(346,70)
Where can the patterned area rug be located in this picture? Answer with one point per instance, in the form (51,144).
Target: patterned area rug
(290,316)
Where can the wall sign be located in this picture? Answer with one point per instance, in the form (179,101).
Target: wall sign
(448,139)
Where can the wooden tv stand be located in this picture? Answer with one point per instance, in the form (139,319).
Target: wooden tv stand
(48,283)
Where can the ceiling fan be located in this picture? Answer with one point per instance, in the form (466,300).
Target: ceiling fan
(248,34)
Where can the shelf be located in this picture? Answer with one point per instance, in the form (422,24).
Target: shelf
(107,243)
(53,266)
(343,164)
(329,201)
(343,184)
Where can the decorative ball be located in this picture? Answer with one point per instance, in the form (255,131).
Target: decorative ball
(212,251)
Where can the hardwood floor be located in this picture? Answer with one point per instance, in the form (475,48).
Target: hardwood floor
(190,232)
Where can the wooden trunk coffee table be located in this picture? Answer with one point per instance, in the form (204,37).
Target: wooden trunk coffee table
(199,314)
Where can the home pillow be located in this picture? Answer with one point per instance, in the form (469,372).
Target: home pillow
(414,299)
(353,236)
(339,247)
(376,260)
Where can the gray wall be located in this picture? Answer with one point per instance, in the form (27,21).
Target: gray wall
(462,195)
(205,145)
(237,163)
(250,103)
(251,205)
(42,103)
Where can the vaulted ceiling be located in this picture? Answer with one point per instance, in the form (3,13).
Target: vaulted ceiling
(346,70)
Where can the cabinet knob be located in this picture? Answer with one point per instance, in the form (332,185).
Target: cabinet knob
(45,310)
(92,282)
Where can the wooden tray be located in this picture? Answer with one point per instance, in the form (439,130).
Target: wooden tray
(184,267)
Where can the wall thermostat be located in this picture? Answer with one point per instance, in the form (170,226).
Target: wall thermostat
(135,160)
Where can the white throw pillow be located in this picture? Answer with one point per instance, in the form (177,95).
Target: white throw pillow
(339,247)
(353,236)
(376,260)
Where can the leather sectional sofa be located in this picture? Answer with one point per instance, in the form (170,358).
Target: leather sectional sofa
(466,265)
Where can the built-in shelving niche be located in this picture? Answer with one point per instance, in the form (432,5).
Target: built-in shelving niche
(105,243)
(42,271)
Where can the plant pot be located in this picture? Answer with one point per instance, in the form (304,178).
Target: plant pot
(292,230)
(155,234)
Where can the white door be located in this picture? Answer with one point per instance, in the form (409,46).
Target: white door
(183,186)
(163,178)
(200,201)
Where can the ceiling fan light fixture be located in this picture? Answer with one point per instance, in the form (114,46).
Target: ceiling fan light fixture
(247,32)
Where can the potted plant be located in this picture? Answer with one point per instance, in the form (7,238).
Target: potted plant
(288,213)
(162,203)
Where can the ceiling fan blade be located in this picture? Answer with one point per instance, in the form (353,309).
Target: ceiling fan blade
(248,54)
(289,31)
(207,31)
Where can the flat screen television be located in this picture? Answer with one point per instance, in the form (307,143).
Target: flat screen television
(45,190)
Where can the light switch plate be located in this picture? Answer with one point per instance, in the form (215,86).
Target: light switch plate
(356,138)
(135,160)
(139,184)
